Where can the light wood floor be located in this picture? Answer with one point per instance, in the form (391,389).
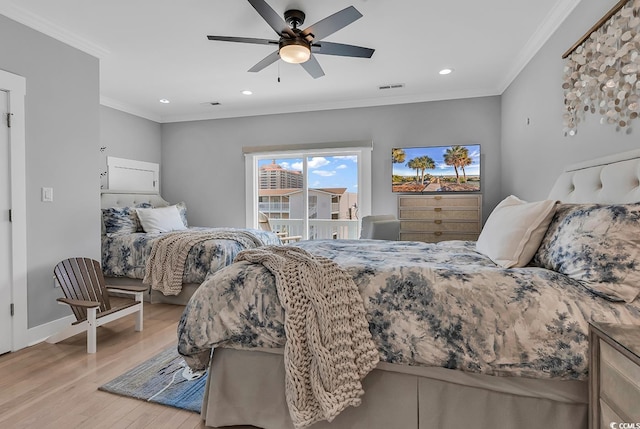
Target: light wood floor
(55,385)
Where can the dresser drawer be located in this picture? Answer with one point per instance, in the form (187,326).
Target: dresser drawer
(436,213)
(619,383)
(434,237)
(439,225)
(439,201)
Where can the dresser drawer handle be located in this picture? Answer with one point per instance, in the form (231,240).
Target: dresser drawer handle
(437,209)
(438,197)
(437,221)
(437,233)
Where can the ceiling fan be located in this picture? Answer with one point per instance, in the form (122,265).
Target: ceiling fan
(298,46)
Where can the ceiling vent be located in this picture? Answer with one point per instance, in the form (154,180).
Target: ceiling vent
(392,86)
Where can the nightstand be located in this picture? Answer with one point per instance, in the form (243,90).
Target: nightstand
(614,375)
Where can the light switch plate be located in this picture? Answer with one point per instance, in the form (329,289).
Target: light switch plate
(47,195)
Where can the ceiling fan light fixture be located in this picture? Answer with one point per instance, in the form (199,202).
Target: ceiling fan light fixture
(294,51)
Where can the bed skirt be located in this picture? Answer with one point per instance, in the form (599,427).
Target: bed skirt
(154,296)
(247,388)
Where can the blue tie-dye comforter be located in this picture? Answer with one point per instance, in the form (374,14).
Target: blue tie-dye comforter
(125,255)
(442,305)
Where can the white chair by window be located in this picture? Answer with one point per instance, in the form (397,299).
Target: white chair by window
(380,227)
(265,225)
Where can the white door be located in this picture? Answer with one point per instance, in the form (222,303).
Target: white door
(6,325)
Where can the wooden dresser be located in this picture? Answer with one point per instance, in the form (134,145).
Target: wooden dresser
(433,218)
(614,376)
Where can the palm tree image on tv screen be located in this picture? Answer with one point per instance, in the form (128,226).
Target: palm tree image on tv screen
(453,168)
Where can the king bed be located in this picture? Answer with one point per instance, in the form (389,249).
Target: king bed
(465,335)
(132,256)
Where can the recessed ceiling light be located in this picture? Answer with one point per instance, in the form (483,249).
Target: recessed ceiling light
(445,71)
(247,92)
(164,101)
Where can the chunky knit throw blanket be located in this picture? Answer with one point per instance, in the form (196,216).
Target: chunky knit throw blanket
(329,349)
(165,266)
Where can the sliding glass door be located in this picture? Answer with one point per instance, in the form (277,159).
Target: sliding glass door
(314,194)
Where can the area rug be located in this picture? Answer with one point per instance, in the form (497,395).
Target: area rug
(164,379)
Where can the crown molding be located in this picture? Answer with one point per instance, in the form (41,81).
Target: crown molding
(346,104)
(549,25)
(128,108)
(47,27)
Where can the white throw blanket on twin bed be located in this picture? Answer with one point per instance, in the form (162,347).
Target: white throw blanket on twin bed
(329,349)
(165,266)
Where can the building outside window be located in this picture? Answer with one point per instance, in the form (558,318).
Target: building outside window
(315,195)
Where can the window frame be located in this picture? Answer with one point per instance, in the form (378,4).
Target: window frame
(252,155)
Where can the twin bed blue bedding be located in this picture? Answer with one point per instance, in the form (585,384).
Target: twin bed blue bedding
(125,255)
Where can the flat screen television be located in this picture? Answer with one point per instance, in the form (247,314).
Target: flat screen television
(454,168)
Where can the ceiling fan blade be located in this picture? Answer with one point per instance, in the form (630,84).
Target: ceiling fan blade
(273,19)
(332,23)
(243,40)
(268,60)
(312,66)
(329,48)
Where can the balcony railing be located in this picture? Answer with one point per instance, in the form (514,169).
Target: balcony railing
(319,228)
(273,207)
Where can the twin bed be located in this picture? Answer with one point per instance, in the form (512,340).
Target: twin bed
(126,248)
(461,340)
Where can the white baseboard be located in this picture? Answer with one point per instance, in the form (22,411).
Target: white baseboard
(40,333)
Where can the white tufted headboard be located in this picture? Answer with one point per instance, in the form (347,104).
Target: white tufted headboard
(613,179)
(129,199)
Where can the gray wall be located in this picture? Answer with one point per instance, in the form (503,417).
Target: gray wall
(533,155)
(127,136)
(202,161)
(62,137)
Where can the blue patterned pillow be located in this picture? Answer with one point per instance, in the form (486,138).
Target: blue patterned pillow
(122,220)
(598,245)
(119,220)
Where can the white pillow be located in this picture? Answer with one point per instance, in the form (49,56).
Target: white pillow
(161,219)
(514,230)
